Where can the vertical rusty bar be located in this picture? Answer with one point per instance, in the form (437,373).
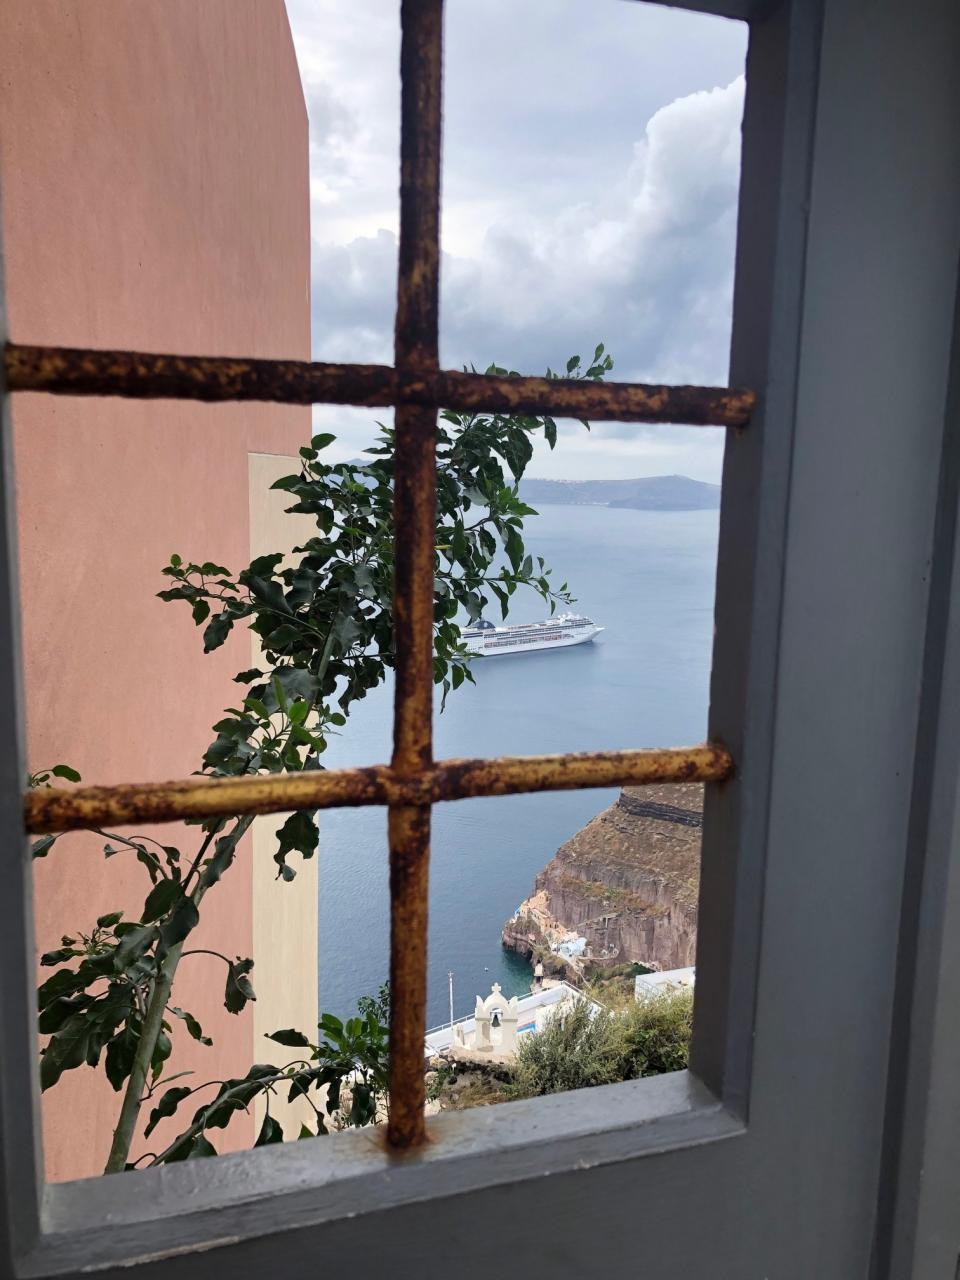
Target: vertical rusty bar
(416,351)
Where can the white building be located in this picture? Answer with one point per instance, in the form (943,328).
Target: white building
(646,985)
(497,1023)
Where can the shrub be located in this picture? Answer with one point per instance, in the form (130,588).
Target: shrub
(655,1034)
(576,1049)
(581,1047)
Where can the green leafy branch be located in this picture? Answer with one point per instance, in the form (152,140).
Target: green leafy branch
(324,619)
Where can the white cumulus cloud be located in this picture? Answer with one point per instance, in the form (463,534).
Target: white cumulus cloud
(549,246)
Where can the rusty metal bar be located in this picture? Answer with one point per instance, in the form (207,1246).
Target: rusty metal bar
(70,809)
(603,401)
(141,375)
(414,527)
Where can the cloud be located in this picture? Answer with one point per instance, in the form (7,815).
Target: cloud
(646,267)
(568,219)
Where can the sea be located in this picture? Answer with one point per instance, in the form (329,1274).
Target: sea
(648,578)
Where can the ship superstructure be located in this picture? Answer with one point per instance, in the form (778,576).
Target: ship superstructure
(561,632)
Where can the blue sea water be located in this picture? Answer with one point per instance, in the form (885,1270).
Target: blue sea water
(648,578)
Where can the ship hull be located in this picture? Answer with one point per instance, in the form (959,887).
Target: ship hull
(496,647)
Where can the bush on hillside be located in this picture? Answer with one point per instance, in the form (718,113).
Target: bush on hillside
(579,1048)
(573,1051)
(655,1034)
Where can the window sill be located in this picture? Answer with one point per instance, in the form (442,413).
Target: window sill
(102,1222)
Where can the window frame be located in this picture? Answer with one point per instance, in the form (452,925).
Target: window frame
(542,1136)
(685,1146)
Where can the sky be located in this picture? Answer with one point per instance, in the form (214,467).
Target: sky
(590,169)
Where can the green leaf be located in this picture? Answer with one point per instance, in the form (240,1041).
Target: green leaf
(65,1051)
(331,1025)
(247,677)
(266,590)
(201,1149)
(65,771)
(201,611)
(160,899)
(62,983)
(56,1013)
(293,1039)
(193,1026)
(59,956)
(134,944)
(161,1052)
(119,1059)
(40,848)
(572,363)
(263,566)
(238,989)
(299,833)
(297,683)
(271,1131)
(225,851)
(216,632)
(167,1106)
(184,918)
(513,545)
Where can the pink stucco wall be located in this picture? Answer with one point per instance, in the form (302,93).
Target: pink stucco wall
(154,179)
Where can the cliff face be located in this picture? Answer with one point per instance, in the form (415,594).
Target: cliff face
(627,882)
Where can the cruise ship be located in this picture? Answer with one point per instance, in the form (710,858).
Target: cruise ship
(526,637)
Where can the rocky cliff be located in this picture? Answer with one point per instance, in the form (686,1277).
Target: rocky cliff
(627,883)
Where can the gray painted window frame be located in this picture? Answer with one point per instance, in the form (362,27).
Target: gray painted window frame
(768,1157)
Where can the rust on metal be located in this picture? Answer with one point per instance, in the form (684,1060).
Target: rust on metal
(515,775)
(414,531)
(408,831)
(414,522)
(69,809)
(142,375)
(604,401)
(60,809)
(146,376)
(418,264)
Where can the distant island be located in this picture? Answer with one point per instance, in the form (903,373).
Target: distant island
(646,493)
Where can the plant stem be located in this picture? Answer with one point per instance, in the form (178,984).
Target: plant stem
(136,1083)
(133,1097)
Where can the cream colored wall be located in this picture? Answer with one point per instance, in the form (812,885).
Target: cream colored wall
(284,914)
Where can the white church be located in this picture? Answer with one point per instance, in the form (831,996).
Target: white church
(497,1023)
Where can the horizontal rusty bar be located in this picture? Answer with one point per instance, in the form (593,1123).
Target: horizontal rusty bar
(603,401)
(144,376)
(68,809)
(139,375)
(515,775)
